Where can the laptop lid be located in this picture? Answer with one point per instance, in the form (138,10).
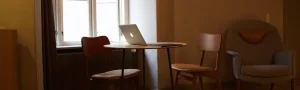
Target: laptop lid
(132,34)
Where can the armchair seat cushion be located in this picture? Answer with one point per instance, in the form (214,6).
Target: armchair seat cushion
(266,70)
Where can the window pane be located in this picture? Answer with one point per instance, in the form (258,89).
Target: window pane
(75,19)
(107,19)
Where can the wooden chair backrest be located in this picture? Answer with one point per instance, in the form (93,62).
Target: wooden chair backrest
(94,46)
(209,42)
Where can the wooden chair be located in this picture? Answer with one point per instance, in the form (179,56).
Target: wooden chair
(94,46)
(207,42)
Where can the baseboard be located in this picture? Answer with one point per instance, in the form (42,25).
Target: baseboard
(188,86)
(213,85)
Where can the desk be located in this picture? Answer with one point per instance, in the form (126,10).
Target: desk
(166,46)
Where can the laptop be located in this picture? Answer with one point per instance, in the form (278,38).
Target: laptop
(134,37)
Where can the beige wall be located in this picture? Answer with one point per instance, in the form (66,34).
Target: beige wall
(214,16)
(165,33)
(292,29)
(19,14)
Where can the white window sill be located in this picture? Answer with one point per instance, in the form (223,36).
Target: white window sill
(62,47)
(68,47)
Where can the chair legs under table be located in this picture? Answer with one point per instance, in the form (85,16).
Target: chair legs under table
(219,85)
(292,84)
(170,69)
(194,82)
(238,84)
(177,78)
(272,86)
(200,82)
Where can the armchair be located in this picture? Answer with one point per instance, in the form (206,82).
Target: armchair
(258,54)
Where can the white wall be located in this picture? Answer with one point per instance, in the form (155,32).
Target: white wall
(143,13)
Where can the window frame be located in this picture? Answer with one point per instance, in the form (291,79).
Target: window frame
(123,18)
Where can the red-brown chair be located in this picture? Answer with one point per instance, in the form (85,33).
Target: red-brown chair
(94,46)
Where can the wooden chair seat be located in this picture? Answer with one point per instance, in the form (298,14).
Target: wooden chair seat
(190,68)
(116,74)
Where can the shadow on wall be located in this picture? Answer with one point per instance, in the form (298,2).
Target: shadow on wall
(27,69)
(226,62)
(151,69)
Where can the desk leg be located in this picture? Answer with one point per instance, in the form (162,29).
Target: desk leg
(122,71)
(170,69)
(144,70)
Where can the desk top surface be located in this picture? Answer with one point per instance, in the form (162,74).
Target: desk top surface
(162,45)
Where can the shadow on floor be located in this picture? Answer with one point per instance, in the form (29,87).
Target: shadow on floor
(244,86)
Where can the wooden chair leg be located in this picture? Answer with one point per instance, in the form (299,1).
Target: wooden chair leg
(238,84)
(292,84)
(136,81)
(111,87)
(272,86)
(133,84)
(194,82)
(201,82)
(177,78)
(219,84)
(89,84)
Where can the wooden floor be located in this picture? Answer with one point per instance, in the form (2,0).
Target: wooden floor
(245,86)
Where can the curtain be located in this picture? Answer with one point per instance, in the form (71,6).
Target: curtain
(48,41)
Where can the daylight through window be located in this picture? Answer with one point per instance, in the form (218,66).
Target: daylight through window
(78,18)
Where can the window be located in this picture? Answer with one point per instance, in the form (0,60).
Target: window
(78,18)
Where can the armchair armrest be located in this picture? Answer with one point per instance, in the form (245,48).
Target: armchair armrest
(284,58)
(236,62)
(233,53)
